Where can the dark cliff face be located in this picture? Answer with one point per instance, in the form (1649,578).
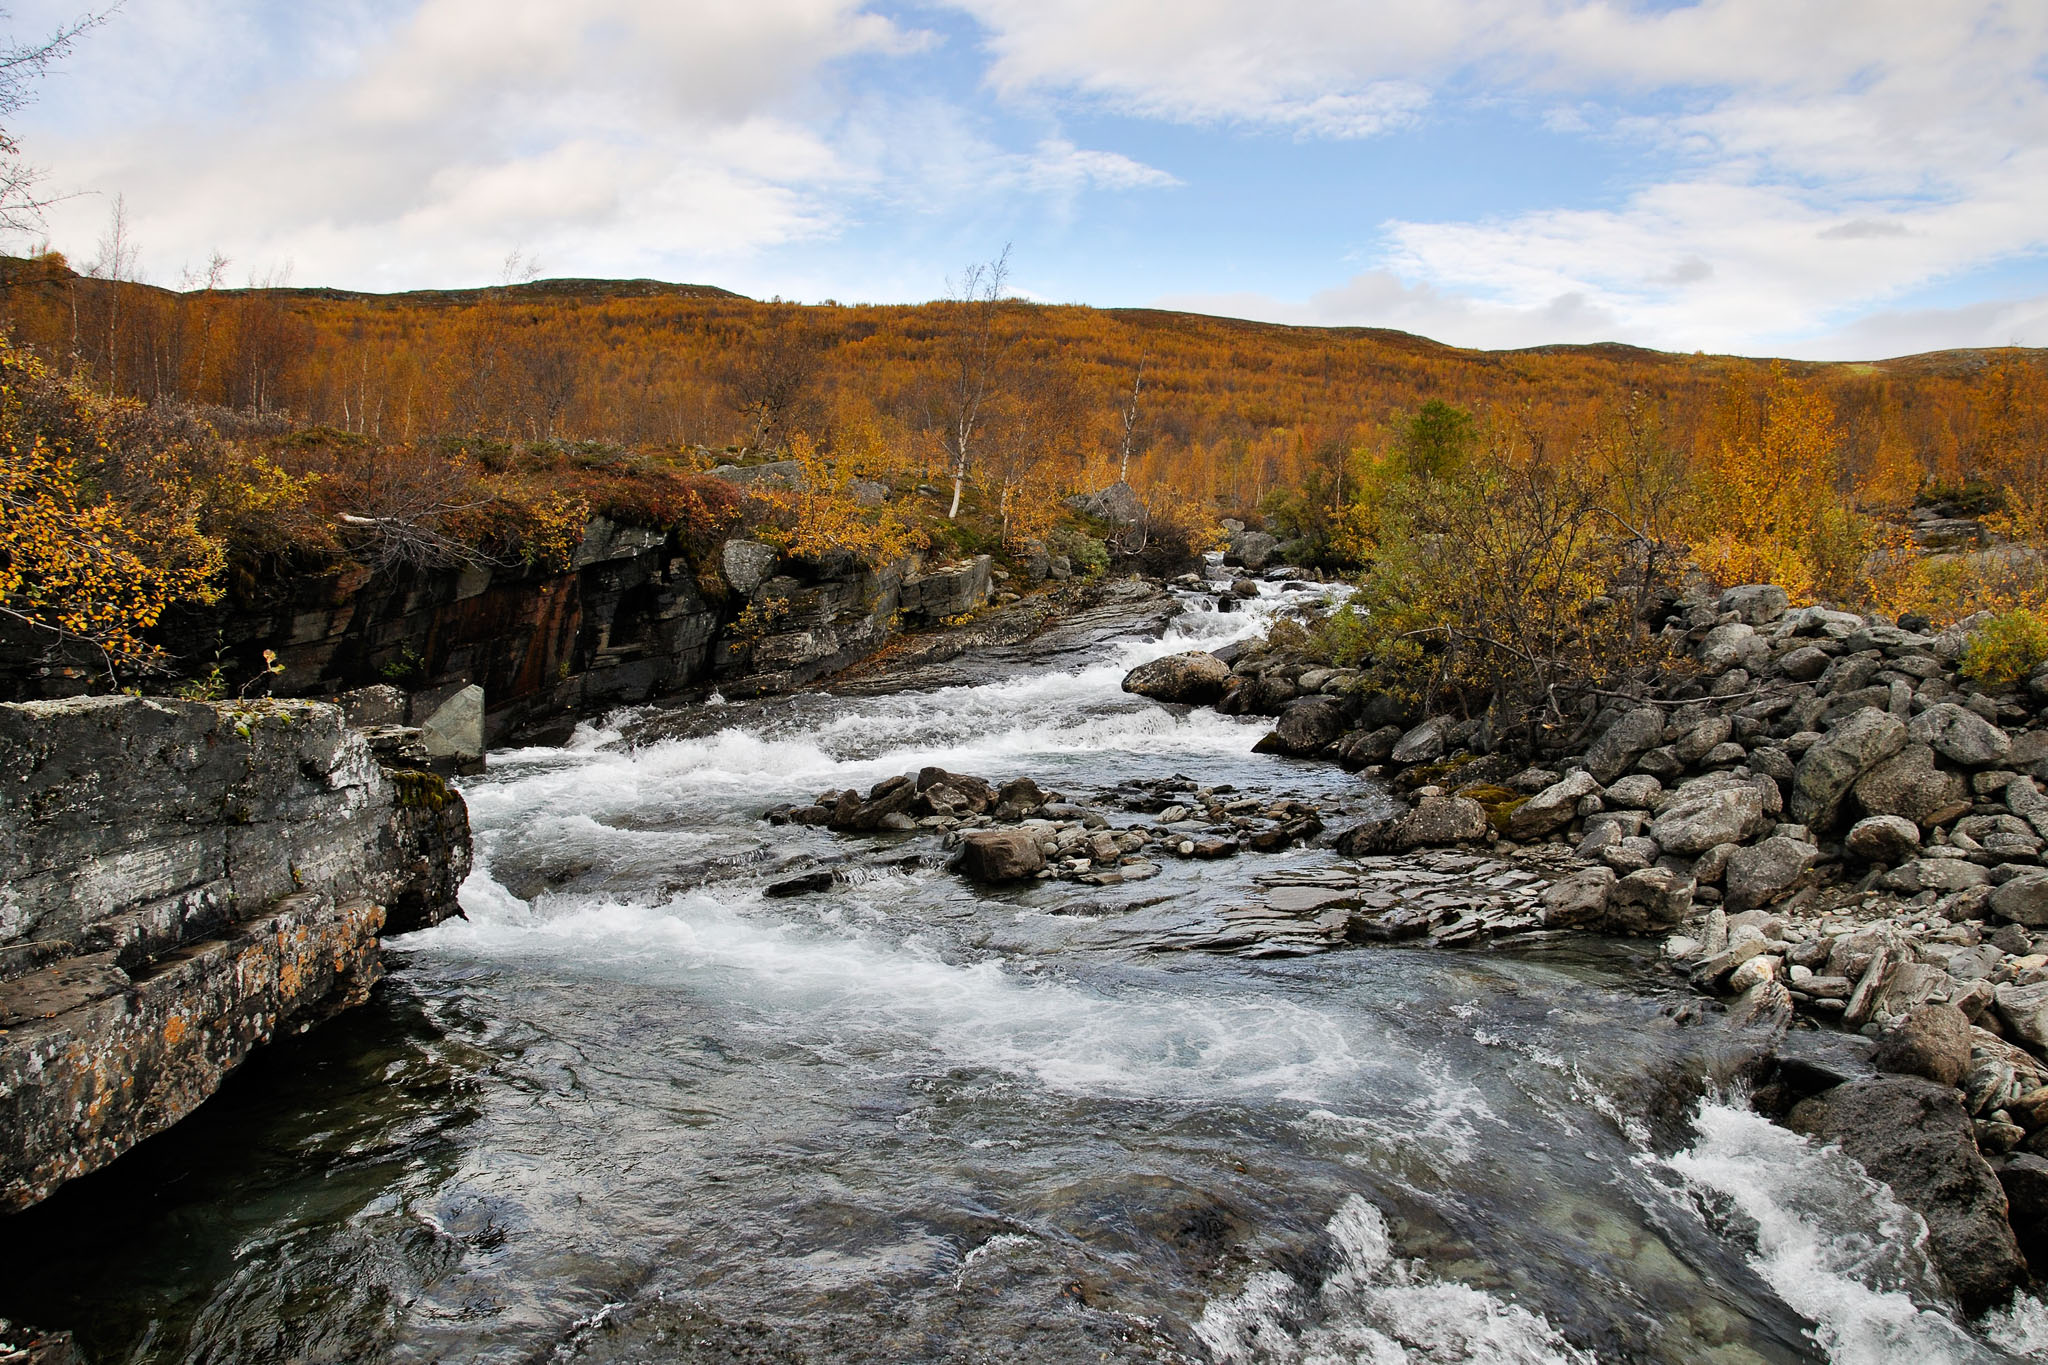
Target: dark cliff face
(179,883)
(636,615)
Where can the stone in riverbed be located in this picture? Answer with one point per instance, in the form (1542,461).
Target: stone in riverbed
(1826,771)
(1552,808)
(1889,839)
(1000,856)
(1305,727)
(1910,786)
(807,885)
(1196,678)
(1424,743)
(1914,1135)
(1928,1040)
(1629,738)
(1765,872)
(1960,735)
(1578,900)
(1697,820)
(1652,900)
(2024,1011)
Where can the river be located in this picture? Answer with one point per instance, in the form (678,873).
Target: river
(631,1109)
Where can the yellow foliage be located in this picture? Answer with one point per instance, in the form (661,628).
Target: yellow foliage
(820,516)
(2006,649)
(1769,508)
(74,561)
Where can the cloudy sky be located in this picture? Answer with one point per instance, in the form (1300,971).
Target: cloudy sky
(1820,178)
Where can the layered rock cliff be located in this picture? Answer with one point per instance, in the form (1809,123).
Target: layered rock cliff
(179,883)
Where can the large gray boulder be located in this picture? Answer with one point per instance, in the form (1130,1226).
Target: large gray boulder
(1960,735)
(1552,808)
(1251,549)
(1932,1041)
(1000,855)
(1914,1135)
(1758,604)
(1650,900)
(1765,872)
(1436,821)
(1910,786)
(2023,900)
(1734,645)
(2024,1010)
(1826,771)
(747,565)
(1305,727)
(1424,743)
(1696,820)
(1578,900)
(1196,678)
(1888,839)
(1628,739)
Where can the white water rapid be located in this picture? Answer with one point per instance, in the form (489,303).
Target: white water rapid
(633,1109)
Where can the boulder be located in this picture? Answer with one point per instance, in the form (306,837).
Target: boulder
(455,732)
(1631,736)
(1552,808)
(1196,678)
(1018,798)
(2024,1011)
(1436,821)
(1000,855)
(2023,900)
(1734,645)
(1826,771)
(1910,786)
(1914,1135)
(1362,748)
(1758,604)
(1652,900)
(1696,743)
(1639,791)
(1888,839)
(1697,820)
(1960,735)
(1305,727)
(1252,549)
(2024,799)
(1424,743)
(1804,664)
(1927,1040)
(747,564)
(1578,900)
(1765,872)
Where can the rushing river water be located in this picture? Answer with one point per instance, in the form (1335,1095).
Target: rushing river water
(632,1110)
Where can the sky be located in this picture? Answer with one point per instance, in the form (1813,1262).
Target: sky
(1824,179)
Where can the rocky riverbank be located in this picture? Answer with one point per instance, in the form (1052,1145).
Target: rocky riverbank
(1838,835)
(181,882)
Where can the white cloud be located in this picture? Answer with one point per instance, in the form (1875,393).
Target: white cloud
(429,137)
(1819,158)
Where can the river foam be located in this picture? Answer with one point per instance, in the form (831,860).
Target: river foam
(1374,1308)
(1839,1248)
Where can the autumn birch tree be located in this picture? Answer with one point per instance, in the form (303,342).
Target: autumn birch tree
(972,365)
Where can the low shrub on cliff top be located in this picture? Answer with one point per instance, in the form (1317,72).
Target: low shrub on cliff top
(2006,649)
(100,529)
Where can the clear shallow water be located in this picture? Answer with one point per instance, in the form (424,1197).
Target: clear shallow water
(631,1109)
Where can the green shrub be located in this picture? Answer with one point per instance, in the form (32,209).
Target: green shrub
(1089,555)
(2006,649)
